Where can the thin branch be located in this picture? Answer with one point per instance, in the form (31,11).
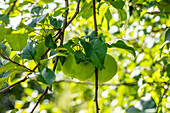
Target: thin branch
(12,7)
(61,35)
(94,15)
(157,13)
(13,85)
(96,70)
(96,90)
(17,63)
(75,14)
(39,99)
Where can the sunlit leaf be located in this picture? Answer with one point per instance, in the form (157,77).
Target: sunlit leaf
(17,41)
(36,20)
(120,44)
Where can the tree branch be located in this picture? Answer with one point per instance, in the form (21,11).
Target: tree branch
(91,83)
(17,63)
(75,14)
(96,90)
(12,7)
(39,99)
(158,13)
(13,85)
(94,15)
(61,35)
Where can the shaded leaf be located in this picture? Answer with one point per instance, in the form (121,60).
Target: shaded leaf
(4,18)
(55,23)
(96,51)
(117,4)
(40,50)
(36,20)
(37,10)
(29,51)
(168,70)
(145,105)
(167,37)
(49,42)
(120,44)
(47,76)
(122,15)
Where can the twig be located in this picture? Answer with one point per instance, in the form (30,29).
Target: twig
(13,85)
(75,14)
(94,15)
(96,90)
(96,70)
(39,99)
(12,7)
(17,63)
(158,13)
(91,83)
(56,60)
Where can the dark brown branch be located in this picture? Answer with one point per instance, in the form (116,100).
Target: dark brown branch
(16,63)
(13,85)
(12,8)
(96,90)
(94,15)
(39,99)
(75,14)
(157,13)
(61,36)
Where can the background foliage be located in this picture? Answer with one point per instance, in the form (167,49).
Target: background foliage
(138,36)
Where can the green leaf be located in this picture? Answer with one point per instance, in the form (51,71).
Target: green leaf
(88,13)
(91,36)
(4,32)
(117,4)
(167,37)
(36,20)
(8,74)
(37,10)
(12,67)
(108,17)
(47,76)
(59,11)
(122,15)
(49,42)
(29,51)
(168,70)
(145,105)
(96,51)
(120,44)
(40,50)
(56,23)
(17,41)
(4,18)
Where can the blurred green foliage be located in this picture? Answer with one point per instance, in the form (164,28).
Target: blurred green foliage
(141,25)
